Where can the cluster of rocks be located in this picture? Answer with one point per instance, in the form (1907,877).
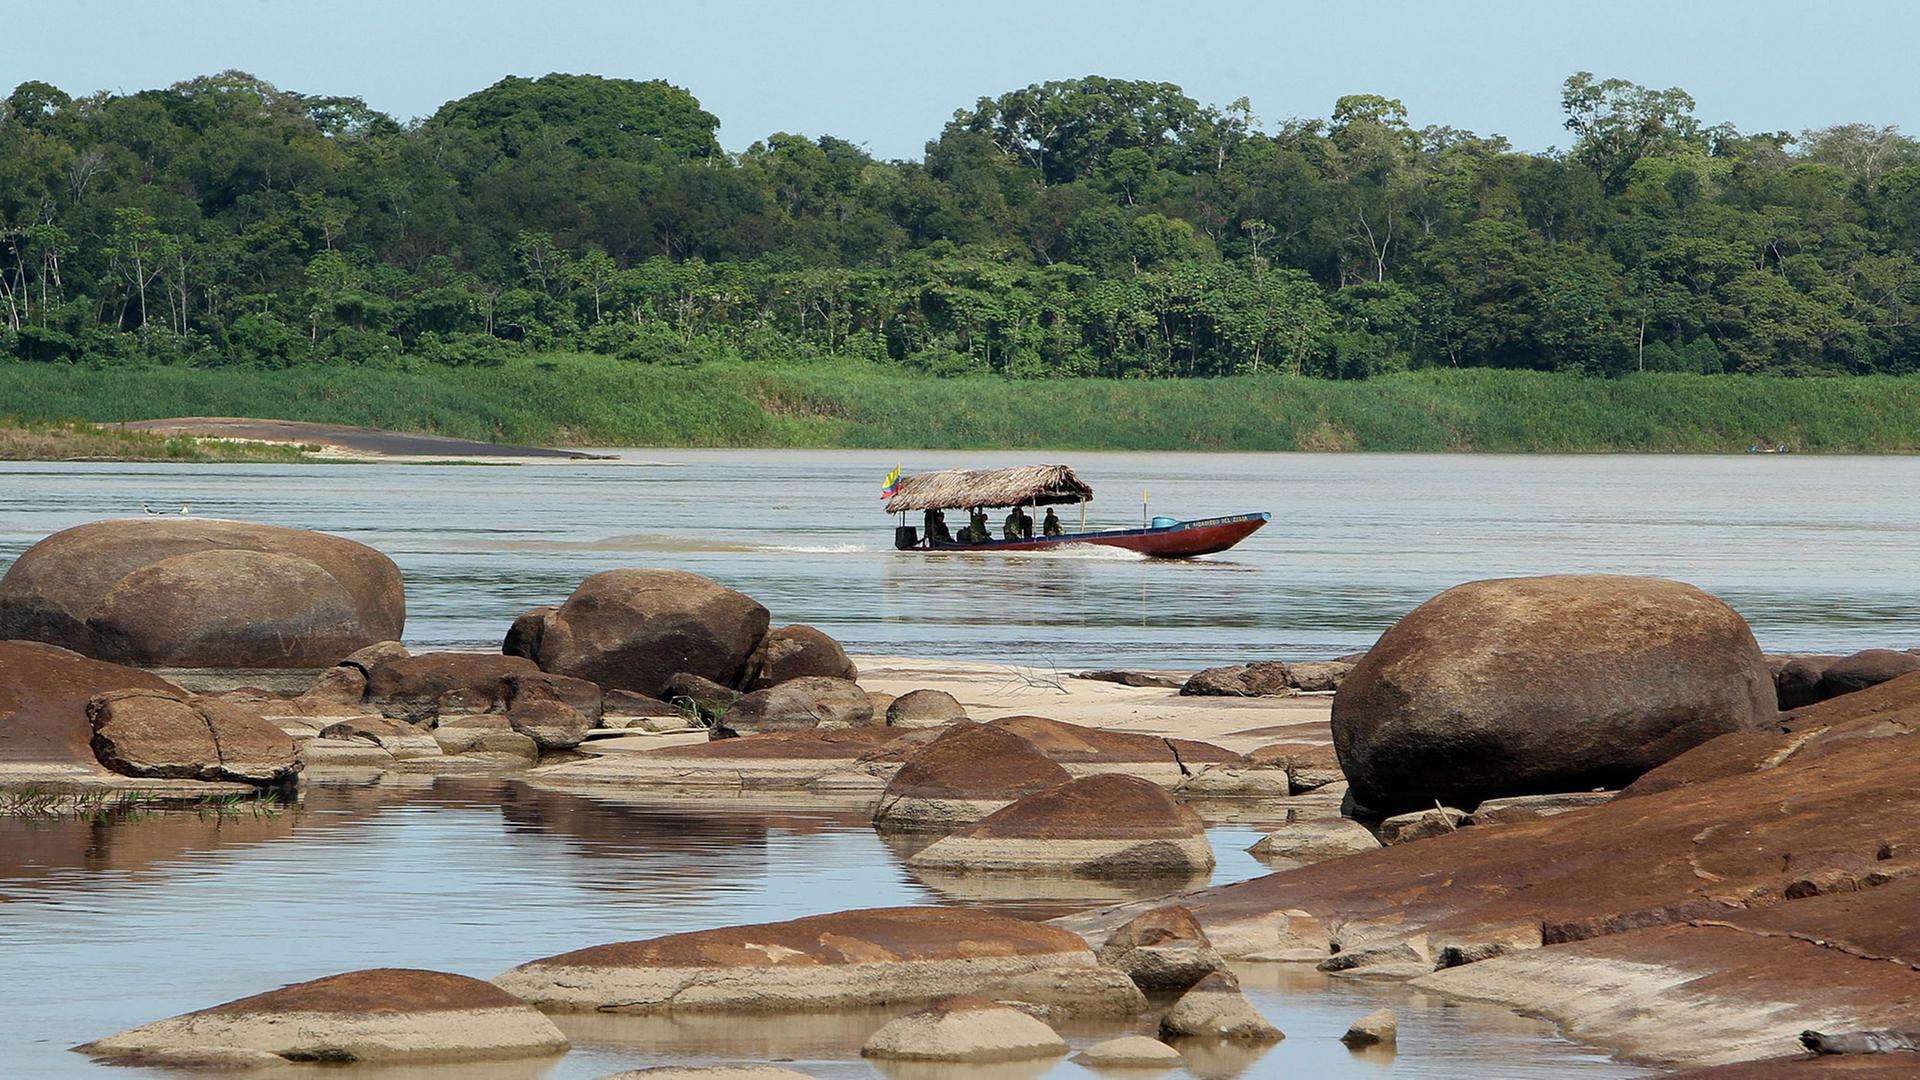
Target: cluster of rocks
(965,986)
(70,719)
(1623,815)
(1589,797)
(1270,678)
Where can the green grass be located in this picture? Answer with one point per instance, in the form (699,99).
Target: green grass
(577,400)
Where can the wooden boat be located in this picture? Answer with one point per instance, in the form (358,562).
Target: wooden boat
(1035,486)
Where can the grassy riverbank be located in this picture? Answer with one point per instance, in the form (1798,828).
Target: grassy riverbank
(580,400)
(71,440)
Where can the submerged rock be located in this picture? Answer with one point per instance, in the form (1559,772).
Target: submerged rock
(881,956)
(1102,826)
(1527,685)
(1130,1052)
(962,776)
(1216,1009)
(634,629)
(1377,1028)
(380,1015)
(201,593)
(965,1029)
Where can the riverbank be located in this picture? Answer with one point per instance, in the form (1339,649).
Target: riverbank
(583,400)
(72,440)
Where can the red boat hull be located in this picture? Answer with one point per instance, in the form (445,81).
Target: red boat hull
(1182,540)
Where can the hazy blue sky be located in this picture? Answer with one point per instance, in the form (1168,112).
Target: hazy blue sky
(889,74)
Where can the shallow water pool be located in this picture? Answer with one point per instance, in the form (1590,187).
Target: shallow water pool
(108,924)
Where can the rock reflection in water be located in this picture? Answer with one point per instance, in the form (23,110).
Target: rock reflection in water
(112,923)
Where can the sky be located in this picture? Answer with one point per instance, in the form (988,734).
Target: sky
(888,75)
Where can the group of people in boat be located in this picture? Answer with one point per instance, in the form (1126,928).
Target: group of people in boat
(1018,526)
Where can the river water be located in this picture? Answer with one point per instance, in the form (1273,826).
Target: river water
(106,924)
(109,924)
(1816,552)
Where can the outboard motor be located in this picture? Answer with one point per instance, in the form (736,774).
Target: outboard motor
(906,537)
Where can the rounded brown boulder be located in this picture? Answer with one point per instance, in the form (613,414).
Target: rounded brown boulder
(1106,825)
(635,629)
(1869,667)
(378,1015)
(189,592)
(163,733)
(799,651)
(1523,686)
(962,776)
(44,691)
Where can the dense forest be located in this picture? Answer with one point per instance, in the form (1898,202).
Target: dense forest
(1090,226)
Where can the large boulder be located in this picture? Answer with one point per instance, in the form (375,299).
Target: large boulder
(44,691)
(1106,825)
(381,1015)
(197,593)
(881,956)
(967,1029)
(798,651)
(162,733)
(634,629)
(797,705)
(1533,685)
(962,776)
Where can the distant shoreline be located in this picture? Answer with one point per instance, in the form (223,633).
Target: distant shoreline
(534,407)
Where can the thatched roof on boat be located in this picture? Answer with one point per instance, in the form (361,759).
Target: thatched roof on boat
(959,489)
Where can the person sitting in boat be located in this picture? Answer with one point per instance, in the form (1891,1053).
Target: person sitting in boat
(1018,526)
(976,531)
(936,528)
(1050,525)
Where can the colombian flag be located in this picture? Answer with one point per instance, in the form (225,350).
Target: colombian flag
(892,485)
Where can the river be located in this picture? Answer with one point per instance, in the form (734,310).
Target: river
(1816,552)
(106,924)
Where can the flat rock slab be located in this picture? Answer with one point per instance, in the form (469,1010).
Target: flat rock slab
(1748,982)
(379,1015)
(798,761)
(873,957)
